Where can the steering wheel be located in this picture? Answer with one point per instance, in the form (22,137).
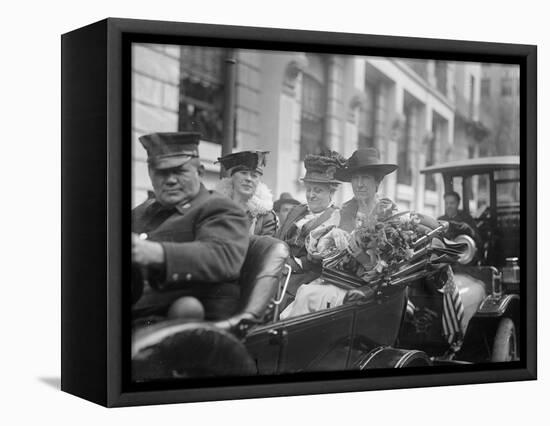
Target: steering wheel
(483,223)
(458,228)
(484,216)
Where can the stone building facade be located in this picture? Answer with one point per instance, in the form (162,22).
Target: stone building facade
(294,103)
(500,87)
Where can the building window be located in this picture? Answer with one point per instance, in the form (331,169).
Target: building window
(429,182)
(404,175)
(201,92)
(485,87)
(506,86)
(441,76)
(419,66)
(366,118)
(471,104)
(312,127)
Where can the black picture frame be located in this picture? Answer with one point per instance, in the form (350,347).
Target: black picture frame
(96,198)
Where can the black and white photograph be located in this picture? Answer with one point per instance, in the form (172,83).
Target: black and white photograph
(297,212)
(234,213)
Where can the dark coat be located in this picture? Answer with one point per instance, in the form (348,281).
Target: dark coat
(298,212)
(350,208)
(205,243)
(347,215)
(266,224)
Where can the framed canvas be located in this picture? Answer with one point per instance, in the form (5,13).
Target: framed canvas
(254,212)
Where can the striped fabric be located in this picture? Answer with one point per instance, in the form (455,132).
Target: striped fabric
(453,313)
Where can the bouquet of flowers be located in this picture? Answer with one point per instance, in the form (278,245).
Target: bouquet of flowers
(377,248)
(380,248)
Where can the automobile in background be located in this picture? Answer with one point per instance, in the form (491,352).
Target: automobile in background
(488,275)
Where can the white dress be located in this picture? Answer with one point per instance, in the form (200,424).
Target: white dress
(317,294)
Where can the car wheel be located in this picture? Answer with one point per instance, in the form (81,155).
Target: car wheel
(505,345)
(172,350)
(387,357)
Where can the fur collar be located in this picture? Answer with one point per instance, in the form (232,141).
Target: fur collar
(260,203)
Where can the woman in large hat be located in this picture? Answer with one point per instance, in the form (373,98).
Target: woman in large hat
(318,213)
(365,171)
(245,187)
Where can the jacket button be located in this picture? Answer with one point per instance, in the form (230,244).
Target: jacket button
(188,277)
(175,277)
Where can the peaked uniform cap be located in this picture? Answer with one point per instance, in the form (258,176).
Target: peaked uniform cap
(365,160)
(167,150)
(244,160)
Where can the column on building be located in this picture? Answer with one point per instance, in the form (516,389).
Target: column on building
(381,134)
(410,157)
(353,85)
(396,134)
(335,104)
(288,162)
(380,115)
(451,71)
(423,119)
(155,97)
(423,139)
(248,100)
(430,73)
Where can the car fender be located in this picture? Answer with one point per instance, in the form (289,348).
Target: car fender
(498,306)
(489,312)
(482,327)
(472,292)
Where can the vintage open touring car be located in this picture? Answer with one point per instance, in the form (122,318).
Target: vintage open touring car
(392,324)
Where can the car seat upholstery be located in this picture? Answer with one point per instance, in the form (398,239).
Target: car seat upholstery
(261,273)
(259,281)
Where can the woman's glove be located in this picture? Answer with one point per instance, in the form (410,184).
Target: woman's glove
(384,209)
(322,242)
(341,238)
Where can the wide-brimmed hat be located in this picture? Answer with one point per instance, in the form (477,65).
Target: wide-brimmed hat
(244,160)
(285,198)
(322,168)
(168,150)
(365,160)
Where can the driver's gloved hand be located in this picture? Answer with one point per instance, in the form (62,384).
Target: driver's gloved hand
(457,228)
(462,227)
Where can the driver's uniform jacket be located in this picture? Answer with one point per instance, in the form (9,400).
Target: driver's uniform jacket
(205,243)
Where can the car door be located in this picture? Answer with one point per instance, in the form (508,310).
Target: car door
(312,342)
